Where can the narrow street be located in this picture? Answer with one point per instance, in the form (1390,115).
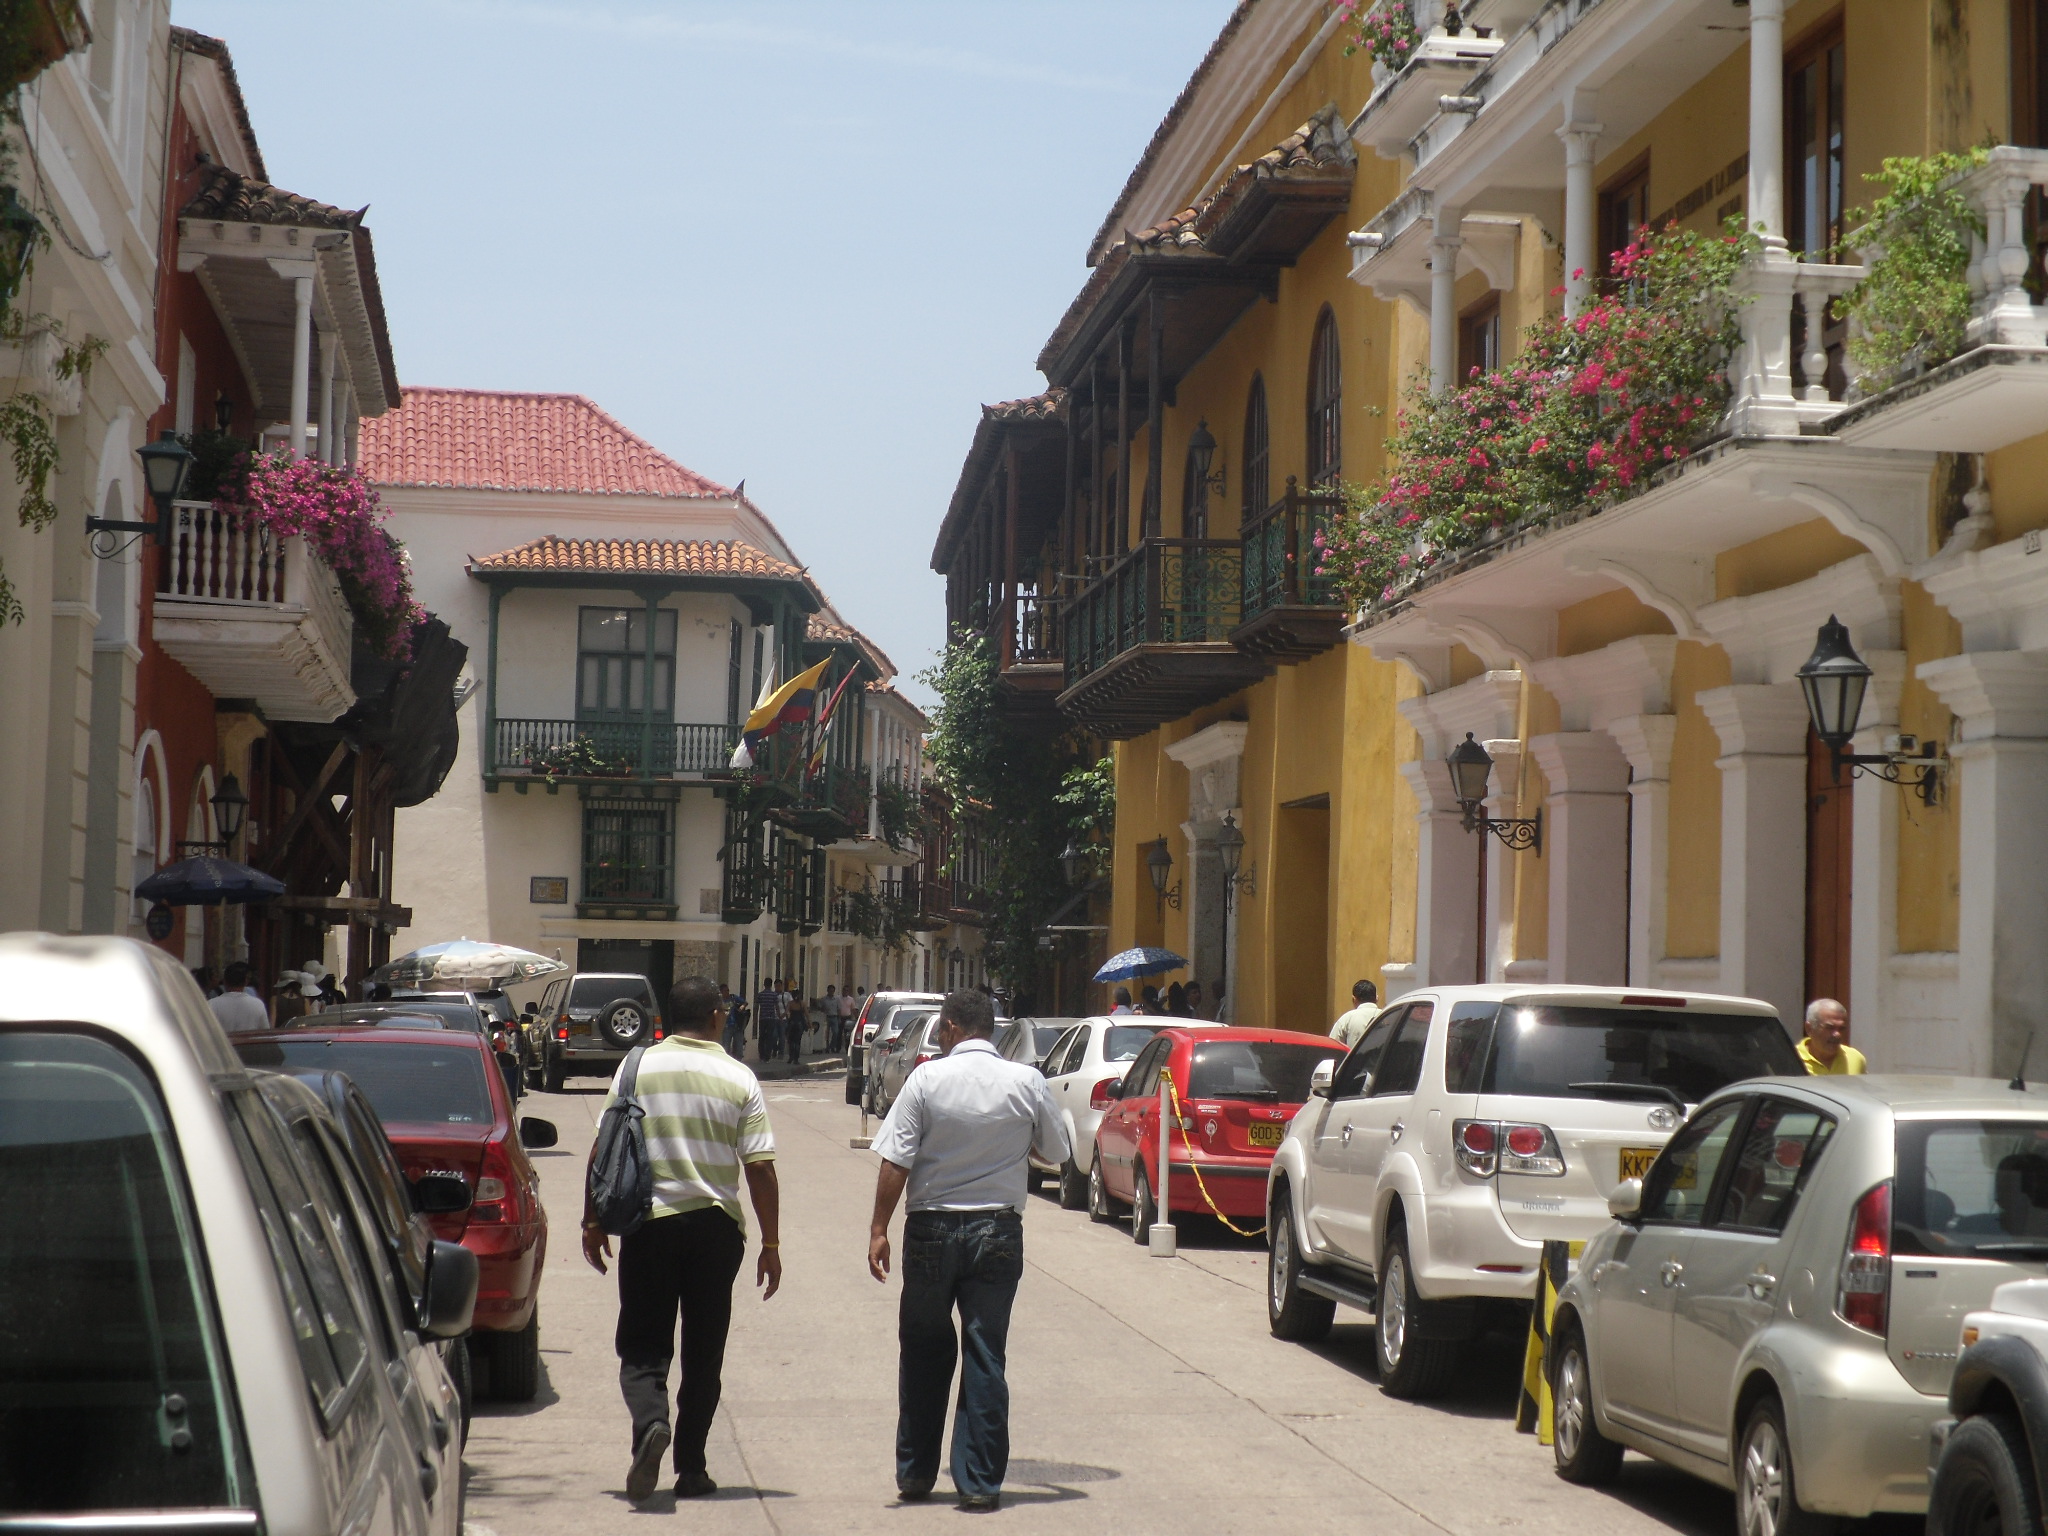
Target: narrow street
(1147,1394)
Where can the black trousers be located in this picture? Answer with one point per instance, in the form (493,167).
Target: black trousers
(675,1264)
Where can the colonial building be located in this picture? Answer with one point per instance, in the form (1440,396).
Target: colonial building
(1312,242)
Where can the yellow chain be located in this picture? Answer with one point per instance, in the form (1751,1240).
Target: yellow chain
(1180,1120)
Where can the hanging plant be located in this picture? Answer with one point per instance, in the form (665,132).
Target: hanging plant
(1912,311)
(1386,30)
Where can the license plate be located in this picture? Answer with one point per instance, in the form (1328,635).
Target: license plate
(1635,1161)
(1267,1135)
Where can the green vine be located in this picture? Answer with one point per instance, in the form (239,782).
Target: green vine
(577,758)
(878,916)
(1911,312)
(900,811)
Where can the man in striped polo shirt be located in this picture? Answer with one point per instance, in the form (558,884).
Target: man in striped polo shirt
(706,1125)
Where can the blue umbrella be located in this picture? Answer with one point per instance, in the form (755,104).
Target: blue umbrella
(208,882)
(1142,961)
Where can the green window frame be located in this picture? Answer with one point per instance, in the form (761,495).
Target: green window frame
(611,663)
(629,851)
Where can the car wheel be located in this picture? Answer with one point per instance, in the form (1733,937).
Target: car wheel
(1984,1484)
(1584,1455)
(1144,1209)
(1074,1191)
(1766,1492)
(625,1024)
(1100,1206)
(1291,1312)
(515,1363)
(1410,1366)
(465,1383)
(553,1075)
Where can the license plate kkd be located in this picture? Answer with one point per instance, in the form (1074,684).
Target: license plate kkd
(1267,1135)
(1635,1161)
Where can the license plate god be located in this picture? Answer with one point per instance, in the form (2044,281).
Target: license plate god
(1267,1135)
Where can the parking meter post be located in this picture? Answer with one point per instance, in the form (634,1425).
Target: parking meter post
(1163,1238)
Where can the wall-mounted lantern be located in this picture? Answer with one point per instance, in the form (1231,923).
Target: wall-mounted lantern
(1230,851)
(1834,679)
(1159,865)
(1471,767)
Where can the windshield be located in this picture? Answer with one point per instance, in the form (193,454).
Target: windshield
(597,991)
(105,1317)
(1972,1186)
(1272,1070)
(390,1016)
(1045,1036)
(1544,1049)
(407,1083)
(1122,1042)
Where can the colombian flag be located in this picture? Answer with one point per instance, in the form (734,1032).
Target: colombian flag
(788,708)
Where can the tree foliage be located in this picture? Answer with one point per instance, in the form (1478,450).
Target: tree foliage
(1910,312)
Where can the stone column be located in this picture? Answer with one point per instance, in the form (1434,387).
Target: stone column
(328,348)
(1767,119)
(1874,880)
(1505,801)
(1214,758)
(1585,841)
(1446,880)
(1646,742)
(302,358)
(1581,212)
(1443,299)
(1762,727)
(2001,783)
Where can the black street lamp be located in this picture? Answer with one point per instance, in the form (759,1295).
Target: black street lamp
(165,463)
(230,805)
(1230,852)
(1159,864)
(1201,454)
(1076,863)
(1834,679)
(1471,767)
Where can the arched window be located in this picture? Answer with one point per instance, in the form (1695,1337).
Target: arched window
(1256,480)
(1325,395)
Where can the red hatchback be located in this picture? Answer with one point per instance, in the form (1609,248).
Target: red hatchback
(446,1109)
(1238,1089)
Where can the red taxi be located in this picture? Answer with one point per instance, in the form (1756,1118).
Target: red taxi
(1238,1089)
(446,1109)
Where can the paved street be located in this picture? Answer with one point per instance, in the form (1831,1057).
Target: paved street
(1148,1395)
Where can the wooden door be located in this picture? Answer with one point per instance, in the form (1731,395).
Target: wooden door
(1829,850)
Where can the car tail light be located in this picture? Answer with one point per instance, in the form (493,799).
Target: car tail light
(1475,1143)
(1864,1299)
(561,1031)
(497,1187)
(1098,1096)
(657,1032)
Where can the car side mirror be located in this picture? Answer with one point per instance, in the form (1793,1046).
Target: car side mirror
(1626,1203)
(449,1306)
(538,1133)
(440,1194)
(1320,1077)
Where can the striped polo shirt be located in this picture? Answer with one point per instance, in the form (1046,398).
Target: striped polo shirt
(705,1117)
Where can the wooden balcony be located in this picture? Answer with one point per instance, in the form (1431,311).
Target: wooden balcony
(583,751)
(1288,612)
(1149,640)
(1030,673)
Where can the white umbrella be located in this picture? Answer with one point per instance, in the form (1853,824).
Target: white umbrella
(465,960)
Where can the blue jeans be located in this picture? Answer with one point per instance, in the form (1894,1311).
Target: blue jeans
(971,1260)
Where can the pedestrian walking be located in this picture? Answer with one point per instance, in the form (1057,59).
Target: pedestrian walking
(1177,1001)
(1194,997)
(707,1127)
(955,1142)
(1826,1050)
(768,1020)
(1121,1001)
(1365,1007)
(238,1007)
(793,1025)
(831,1007)
(735,1022)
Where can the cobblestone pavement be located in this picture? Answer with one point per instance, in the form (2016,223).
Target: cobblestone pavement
(1147,1394)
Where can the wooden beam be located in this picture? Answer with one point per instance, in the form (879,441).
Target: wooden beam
(282,838)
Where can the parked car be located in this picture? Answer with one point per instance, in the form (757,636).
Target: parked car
(588,1022)
(1030,1040)
(1238,1089)
(1986,1458)
(262,1366)
(426,1010)
(874,1014)
(1466,1127)
(1779,1306)
(1085,1063)
(912,1039)
(446,1110)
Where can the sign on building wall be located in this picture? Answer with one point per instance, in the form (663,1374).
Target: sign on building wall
(548,889)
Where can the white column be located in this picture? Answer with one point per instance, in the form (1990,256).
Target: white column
(2001,785)
(1767,119)
(1585,843)
(1646,741)
(1446,880)
(327,351)
(1443,299)
(1501,865)
(1874,880)
(1581,213)
(1763,842)
(302,357)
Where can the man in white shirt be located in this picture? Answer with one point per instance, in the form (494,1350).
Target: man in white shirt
(1350,1027)
(238,1009)
(957,1139)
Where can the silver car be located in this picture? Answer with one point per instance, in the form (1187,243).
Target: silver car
(1779,1305)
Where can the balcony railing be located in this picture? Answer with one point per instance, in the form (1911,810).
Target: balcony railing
(1034,630)
(607,749)
(1281,553)
(1164,592)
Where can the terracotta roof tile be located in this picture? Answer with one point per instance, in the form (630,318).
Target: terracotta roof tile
(226,194)
(667,557)
(213,48)
(504,441)
(823,631)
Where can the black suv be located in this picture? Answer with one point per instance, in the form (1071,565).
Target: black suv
(587,1022)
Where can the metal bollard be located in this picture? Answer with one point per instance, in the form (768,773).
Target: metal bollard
(1163,1240)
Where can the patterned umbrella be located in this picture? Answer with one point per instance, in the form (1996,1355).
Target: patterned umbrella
(208,882)
(465,960)
(1142,961)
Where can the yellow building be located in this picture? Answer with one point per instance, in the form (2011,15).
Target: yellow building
(1314,238)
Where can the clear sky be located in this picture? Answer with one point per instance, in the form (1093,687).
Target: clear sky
(796,244)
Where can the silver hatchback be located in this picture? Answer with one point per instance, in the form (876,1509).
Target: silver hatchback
(1779,1305)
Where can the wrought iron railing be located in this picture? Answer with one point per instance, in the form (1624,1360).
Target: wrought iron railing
(1034,629)
(629,851)
(1281,553)
(1164,592)
(608,748)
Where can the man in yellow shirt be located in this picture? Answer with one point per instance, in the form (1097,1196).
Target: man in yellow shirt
(1826,1050)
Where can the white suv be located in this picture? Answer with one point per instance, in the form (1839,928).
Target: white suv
(1466,1127)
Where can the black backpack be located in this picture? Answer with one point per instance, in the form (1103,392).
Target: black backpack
(621,1174)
